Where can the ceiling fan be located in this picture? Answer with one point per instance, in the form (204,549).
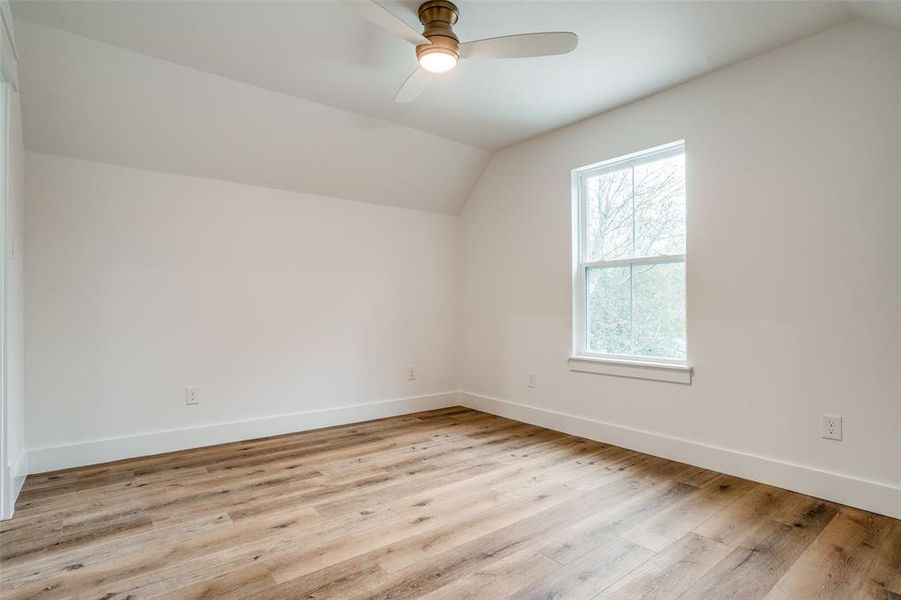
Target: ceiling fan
(438,49)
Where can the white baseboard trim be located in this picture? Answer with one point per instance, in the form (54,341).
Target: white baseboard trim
(879,497)
(17,472)
(51,458)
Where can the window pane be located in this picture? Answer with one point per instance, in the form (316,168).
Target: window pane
(658,296)
(609,215)
(608,309)
(660,207)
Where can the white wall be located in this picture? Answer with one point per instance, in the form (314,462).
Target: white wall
(794,271)
(142,283)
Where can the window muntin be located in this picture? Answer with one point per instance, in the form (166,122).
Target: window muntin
(630,280)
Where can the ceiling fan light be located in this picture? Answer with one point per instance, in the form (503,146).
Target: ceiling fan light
(438,61)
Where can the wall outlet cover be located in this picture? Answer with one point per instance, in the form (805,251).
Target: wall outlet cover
(191,396)
(832,427)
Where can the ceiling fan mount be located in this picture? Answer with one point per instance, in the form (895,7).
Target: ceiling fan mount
(438,49)
(438,17)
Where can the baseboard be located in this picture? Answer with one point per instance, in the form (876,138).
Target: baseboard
(875,496)
(879,497)
(92,452)
(17,473)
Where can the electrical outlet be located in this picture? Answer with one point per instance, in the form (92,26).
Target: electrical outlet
(832,427)
(531,380)
(411,373)
(191,396)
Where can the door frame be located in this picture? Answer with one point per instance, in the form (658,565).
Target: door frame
(6,483)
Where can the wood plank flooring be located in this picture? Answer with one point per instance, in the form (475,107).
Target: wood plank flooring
(447,504)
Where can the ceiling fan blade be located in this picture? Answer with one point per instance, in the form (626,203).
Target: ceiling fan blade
(376,13)
(522,45)
(413,86)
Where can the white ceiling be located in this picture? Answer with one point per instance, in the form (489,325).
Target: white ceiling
(93,101)
(298,95)
(322,51)
(885,12)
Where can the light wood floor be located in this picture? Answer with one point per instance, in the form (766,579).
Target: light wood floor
(448,504)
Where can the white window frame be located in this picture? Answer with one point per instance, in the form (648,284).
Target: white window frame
(582,360)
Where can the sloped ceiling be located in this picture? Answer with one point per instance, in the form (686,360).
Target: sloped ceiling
(88,100)
(299,95)
(323,51)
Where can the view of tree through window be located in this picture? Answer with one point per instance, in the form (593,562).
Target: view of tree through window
(632,251)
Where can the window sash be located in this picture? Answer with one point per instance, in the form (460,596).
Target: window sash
(582,332)
(629,161)
(639,260)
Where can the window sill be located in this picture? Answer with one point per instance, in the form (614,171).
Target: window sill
(635,369)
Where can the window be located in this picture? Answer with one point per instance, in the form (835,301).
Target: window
(629,246)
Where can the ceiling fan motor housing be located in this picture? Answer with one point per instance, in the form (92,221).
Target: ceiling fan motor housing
(438,18)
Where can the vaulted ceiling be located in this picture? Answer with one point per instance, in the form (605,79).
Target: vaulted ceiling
(299,95)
